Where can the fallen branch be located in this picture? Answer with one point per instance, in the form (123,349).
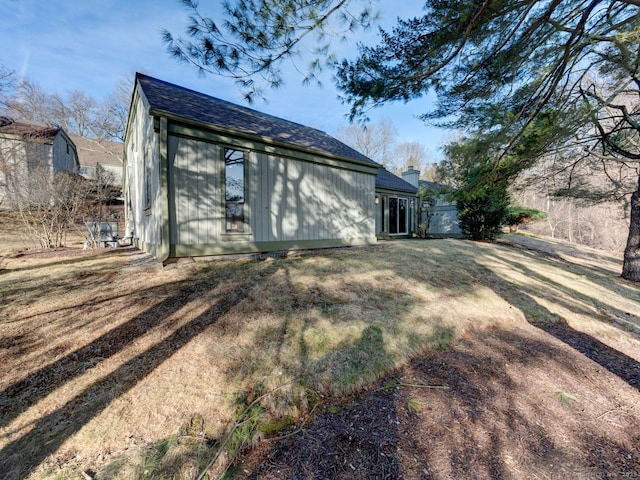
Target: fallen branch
(235,426)
(419,385)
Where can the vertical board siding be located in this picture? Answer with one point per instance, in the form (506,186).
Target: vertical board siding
(299,200)
(195,192)
(288,199)
(142,143)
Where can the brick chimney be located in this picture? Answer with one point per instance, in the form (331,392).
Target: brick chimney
(412,176)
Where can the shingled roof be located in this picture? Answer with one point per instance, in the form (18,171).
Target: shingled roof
(386,179)
(165,97)
(92,152)
(30,132)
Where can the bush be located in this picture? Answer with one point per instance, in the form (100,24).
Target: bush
(481,211)
(517,215)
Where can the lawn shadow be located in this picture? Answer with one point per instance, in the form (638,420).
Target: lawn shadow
(343,441)
(484,426)
(24,454)
(349,443)
(71,259)
(21,395)
(523,297)
(457,413)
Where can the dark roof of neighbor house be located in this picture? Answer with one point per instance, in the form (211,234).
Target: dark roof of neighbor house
(431,185)
(165,97)
(92,152)
(386,179)
(31,132)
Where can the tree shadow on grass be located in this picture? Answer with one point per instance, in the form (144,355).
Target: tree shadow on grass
(523,297)
(480,424)
(19,396)
(50,431)
(81,256)
(347,441)
(487,426)
(625,367)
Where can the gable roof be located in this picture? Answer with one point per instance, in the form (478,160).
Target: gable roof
(386,179)
(167,98)
(92,152)
(30,132)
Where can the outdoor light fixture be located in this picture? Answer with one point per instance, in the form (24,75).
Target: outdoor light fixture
(377,200)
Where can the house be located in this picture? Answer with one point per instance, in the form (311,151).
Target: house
(205,177)
(28,150)
(97,156)
(440,216)
(397,204)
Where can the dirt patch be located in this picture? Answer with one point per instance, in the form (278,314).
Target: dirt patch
(499,404)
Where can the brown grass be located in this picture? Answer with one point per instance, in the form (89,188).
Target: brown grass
(111,364)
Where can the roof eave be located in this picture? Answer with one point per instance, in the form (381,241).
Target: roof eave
(395,190)
(255,137)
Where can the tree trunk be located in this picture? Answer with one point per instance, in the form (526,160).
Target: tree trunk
(631,265)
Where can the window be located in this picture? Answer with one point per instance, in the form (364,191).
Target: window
(234,190)
(398,218)
(146,168)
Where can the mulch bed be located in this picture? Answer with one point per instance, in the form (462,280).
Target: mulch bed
(488,407)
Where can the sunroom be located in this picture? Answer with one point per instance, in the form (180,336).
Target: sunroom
(396,202)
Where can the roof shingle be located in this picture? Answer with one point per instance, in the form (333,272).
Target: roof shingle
(31,132)
(165,97)
(386,179)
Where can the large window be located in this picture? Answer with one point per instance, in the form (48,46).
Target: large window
(398,217)
(234,189)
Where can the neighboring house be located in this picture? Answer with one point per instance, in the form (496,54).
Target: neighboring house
(205,177)
(28,149)
(97,155)
(440,217)
(396,201)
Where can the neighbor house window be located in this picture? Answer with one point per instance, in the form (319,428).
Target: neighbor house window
(398,218)
(234,189)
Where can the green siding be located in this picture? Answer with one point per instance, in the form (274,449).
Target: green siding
(288,200)
(195,202)
(142,163)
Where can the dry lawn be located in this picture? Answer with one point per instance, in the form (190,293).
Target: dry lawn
(114,367)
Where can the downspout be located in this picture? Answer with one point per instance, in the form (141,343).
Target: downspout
(165,241)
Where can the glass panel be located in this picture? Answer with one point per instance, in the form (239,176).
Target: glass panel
(393,215)
(383,213)
(234,189)
(402,215)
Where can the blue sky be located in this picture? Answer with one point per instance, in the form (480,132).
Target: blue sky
(92,45)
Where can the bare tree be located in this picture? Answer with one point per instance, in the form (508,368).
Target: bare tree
(30,103)
(48,205)
(7,86)
(599,225)
(76,112)
(375,140)
(115,111)
(414,154)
